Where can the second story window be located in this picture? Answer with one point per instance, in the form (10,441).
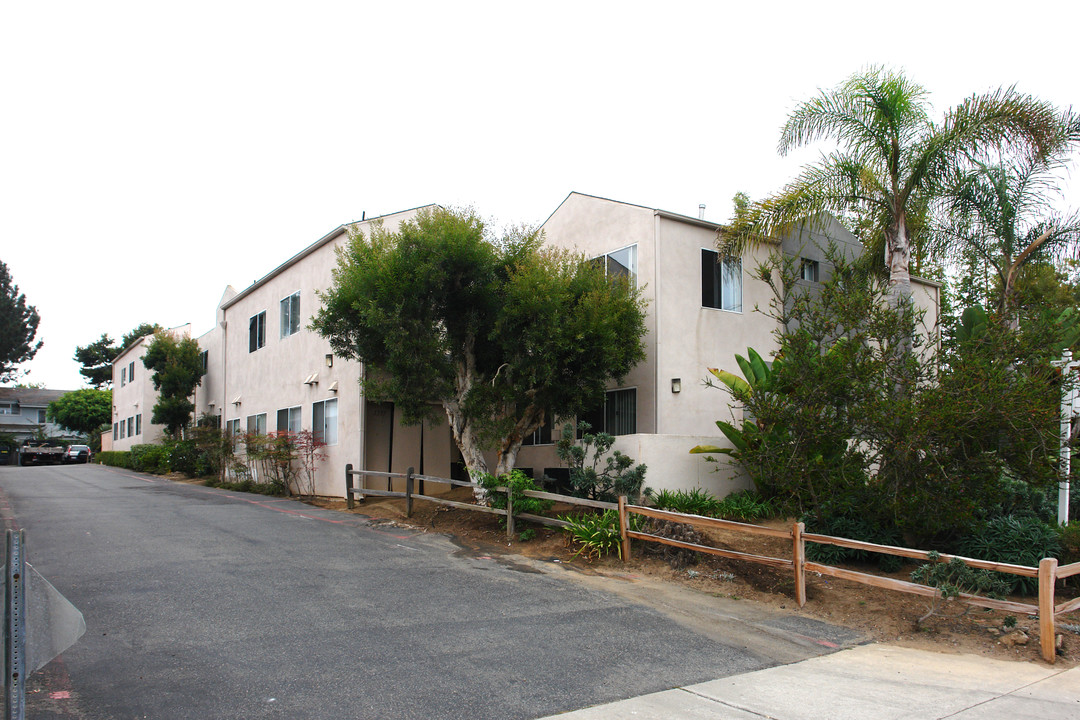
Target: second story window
(123,376)
(721,281)
(256,331)
(809,270)
(290,315)
(621,262)
(131,371)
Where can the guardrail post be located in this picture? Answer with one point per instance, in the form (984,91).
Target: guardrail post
(408,492)
(15,626)
(798,560)
(509,513)
(348,486)
(625,539)
(1047,577)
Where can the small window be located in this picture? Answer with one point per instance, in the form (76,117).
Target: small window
(288,420)
(131,371)
(541,436)
(810,270)
(721,281)
(616,416)
(204,360)
(620,262)
(131,426)
(41,416)
(9,408)
(123,428)
(290,315)
(256,331)
(138,424)
(123,376)
(324,421)
(256,424)
(115,431)
(232,429)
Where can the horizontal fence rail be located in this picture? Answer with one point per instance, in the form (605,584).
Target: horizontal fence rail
(1047,573)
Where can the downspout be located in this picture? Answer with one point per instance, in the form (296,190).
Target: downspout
(656,314)
(363,418)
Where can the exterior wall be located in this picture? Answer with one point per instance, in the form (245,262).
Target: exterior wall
(299,369)
(136,396)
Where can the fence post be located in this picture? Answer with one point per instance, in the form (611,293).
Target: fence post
(15,626)
(408,492)
(509,512)
(798,559)
(1047,577)
(625,546)
(348,486)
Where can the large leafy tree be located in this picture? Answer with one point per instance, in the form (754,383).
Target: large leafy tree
(83,411)
(891,159)
(18,327)
(97,357)
(177,371)
(505,334)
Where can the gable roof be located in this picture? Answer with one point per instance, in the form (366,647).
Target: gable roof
(30,396)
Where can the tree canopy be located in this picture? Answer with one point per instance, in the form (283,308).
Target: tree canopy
(891,159)
(177,371)
(82,411)
(18,327)
(505,334)
(97,357)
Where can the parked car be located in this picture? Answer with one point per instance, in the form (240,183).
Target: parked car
(77,454)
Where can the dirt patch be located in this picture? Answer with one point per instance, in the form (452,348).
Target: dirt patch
(883,615)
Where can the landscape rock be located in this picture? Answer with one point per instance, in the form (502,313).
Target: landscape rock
(1018,637)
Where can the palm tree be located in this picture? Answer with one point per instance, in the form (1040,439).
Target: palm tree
(890,160)
(1003,215)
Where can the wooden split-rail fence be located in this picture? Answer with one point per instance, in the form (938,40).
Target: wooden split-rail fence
(1048,572)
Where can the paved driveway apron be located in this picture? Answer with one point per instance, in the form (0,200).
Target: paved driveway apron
(201,603)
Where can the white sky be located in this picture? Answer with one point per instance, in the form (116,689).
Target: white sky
(152,153)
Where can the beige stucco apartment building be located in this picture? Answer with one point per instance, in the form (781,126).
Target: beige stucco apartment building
(133,397)
(266,371)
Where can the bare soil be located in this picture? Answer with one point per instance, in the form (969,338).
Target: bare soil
(883,615)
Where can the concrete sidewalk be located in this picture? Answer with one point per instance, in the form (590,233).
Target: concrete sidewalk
(876,682)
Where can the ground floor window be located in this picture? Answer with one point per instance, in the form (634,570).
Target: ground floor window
(617,415)
(256,424)
(324,423)
(288,420)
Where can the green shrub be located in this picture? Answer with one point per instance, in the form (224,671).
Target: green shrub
(855,525)
(114,458)
(1069,537)
(744,505)
(596,535)
(955,577)
(619,475)
(150,458)
(691,502)
(1019,499)
(1015,540)
(517,482)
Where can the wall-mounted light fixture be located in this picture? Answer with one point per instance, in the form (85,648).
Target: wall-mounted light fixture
(329,360)
(676,385)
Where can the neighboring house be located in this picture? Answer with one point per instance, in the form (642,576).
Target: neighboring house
(266,371)
(134,397)
(22,414)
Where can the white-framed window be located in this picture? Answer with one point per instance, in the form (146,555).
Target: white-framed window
(256,424)
(324,420)
(721,281)
(621,262)
(131,426)
(138,424)
(617,415)
(115,431)
(290,314)
(809,270)
(288,420)
(9,408)
(204,360)
(123,376)
(131,371)
(256,331)
(41,416)
(232,429)
(123,427)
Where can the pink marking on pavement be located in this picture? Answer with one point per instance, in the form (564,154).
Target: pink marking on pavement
(60,695)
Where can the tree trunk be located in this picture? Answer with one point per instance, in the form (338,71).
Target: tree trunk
(468,442)
(898,258)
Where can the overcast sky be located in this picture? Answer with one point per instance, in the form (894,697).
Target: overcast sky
(153,153)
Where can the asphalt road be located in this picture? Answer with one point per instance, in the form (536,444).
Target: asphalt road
(201,603)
